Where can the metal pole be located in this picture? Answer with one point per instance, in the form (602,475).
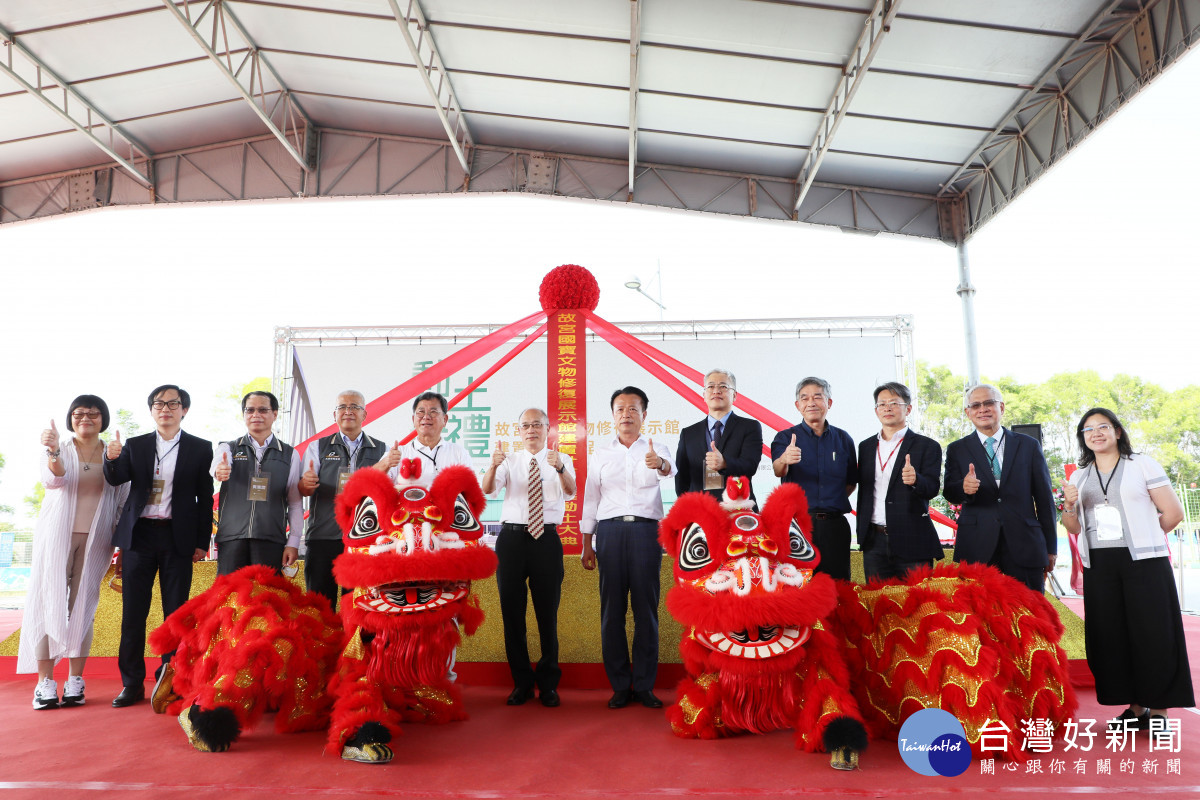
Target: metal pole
(967,292)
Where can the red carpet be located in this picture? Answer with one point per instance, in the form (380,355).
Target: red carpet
(582,749)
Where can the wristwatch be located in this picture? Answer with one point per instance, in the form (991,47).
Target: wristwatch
(560,468)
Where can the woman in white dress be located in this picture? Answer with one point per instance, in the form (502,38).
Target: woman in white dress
(72,548)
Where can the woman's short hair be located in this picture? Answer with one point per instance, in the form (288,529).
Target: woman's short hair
(88,401)
(1086,456)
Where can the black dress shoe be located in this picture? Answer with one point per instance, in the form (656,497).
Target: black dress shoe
(620,699)
(648,699)
(550,698)
(519,696)
(129,695)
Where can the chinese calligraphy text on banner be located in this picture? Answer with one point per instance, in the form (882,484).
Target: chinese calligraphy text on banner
(566,387)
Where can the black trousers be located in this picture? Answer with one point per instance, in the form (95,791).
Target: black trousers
(538,563)
(152,553)
(880,564)
(831,537)
(318,568)
(234,554)
(629,557)
(1033,577)
(1134,632)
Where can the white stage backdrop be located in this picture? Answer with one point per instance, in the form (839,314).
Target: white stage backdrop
(767,370)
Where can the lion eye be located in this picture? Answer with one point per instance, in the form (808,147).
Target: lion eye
(693,549)
(464,520)
(801,548)
(366,520)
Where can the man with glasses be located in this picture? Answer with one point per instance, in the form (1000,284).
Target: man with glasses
(899,472)
(721,445)
(260,513)
(537,483)
(165,526)
(1001,480)
(430,412)
(822,460)
(328,464)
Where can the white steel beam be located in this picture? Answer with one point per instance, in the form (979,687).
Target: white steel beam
(635,44)
(419,39)
(28,71)
(249,74)
(876,25)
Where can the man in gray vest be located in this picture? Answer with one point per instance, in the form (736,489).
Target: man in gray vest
(260,493)
(328,464)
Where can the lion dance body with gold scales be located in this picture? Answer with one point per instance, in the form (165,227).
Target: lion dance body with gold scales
(255,642)
(768,644)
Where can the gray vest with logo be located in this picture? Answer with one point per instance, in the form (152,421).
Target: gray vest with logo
(334,457)
(242,518)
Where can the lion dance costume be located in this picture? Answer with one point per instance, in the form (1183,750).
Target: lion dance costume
(255,642)
(768,644)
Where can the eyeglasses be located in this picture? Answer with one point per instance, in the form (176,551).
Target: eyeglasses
(981,404)
(434,413)
(256,410)
(1098,429)
(159,405)
(531,426)
(713,388)
(351,407)
(890,404)
(78,415)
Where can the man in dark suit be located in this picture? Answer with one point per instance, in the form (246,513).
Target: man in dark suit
(1003,484)
(899,472)
(164,527)
(719,446)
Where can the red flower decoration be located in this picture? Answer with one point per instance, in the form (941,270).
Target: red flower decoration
(569,286)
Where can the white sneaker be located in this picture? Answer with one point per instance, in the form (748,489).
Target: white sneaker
(46,694)
(73,691)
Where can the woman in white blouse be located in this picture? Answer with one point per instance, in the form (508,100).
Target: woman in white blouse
(72,548)
(1122,505)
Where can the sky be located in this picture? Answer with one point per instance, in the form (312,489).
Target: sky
(1094,267)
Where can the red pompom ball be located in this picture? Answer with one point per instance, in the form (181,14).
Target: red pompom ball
(569,286)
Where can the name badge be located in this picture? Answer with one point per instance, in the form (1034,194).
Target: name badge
(713,479)
(1108,523)
(343,476)
(156,492)
(259,485)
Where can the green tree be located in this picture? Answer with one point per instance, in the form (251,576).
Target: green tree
(34,499)
(4,509)
(1172,435)
(228,406)
(124,423)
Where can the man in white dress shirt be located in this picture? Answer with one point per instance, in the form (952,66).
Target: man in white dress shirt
(430,413)
(537,483)
(622,506)
(261,513)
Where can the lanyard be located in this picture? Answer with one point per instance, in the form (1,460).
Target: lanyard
(1103,487)
(433,457)
(159,460)
(879,453)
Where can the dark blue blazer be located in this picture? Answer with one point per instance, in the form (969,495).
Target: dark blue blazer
(740,444)
(191,490)
(1021,508)
(910,532)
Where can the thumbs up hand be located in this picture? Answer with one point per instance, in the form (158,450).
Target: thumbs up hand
(791,453)
(713,458)
(497,455)
(653,460)
(309,481)
(909,474)
(1070,495)
(970,482)
(553,459)
(114,447)
(50,437)
(223,469)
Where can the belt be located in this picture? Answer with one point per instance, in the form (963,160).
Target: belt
(825,514)
(519,526)
(631,518)
(154,523)
(878,528)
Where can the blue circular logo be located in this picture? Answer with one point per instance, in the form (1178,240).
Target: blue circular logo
(932,742)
